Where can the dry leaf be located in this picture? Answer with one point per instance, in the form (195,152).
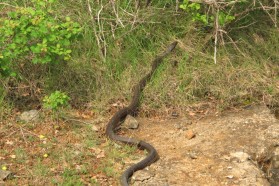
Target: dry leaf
(9,142)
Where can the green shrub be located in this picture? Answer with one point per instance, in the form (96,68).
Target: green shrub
(36,35)
(201,13)
(55,100)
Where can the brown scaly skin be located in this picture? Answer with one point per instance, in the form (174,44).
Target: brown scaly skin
(119,116)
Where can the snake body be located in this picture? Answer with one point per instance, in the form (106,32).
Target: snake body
(131,109)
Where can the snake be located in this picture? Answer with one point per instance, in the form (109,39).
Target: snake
(132,109)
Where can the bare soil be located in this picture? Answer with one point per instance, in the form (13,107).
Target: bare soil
(238,147)
(229,149)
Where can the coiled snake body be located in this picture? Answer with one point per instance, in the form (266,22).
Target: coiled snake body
(131,109)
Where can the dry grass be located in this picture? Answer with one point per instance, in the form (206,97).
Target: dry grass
(106,64)
(76,154)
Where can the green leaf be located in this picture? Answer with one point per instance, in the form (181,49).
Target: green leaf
(13,74)
(183,6)
(35,60)
(13,14)
(44,40)
(35,49)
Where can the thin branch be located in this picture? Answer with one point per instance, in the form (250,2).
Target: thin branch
(275,13)
(116,14)
(267,12)
(103,39)
(244,26)
(176,5)
(135,19)
(6,4)
(216,35)
(233,42)
(23,136)
(129,21)
(94,28)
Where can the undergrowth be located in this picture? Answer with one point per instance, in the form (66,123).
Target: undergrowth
(118,42)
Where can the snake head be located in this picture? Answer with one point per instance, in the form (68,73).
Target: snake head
(172,46)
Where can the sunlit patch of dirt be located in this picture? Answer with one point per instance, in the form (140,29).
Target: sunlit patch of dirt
(222,152)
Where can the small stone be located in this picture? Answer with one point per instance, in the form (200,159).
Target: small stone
(229,176)
(276,165)
(193,155)
(240,156)
(4,175)
(95,128)
(178,125)
(275,162)
(142,175)
(101,155)
(190,134)
(188,122)
(31,115)
(174,114)
(130,123)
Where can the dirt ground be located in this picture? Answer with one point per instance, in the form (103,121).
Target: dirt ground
(230,149)
(238,147)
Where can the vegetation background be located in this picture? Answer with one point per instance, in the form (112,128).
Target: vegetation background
(119,40)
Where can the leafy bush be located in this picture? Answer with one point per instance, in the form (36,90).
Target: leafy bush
(55,100)
(34,34)
(201,13)
(212,13)
(217,16)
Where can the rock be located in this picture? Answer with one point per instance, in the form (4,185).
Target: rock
(193,155)
(239,156)
(174,114)
(188,122)
(190,134)
(142,175)
(95,128)
(182,125)
(272,164)
(31,115)
(275,162)
(230,176)
(178,126)
(130,123)
(4,175)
